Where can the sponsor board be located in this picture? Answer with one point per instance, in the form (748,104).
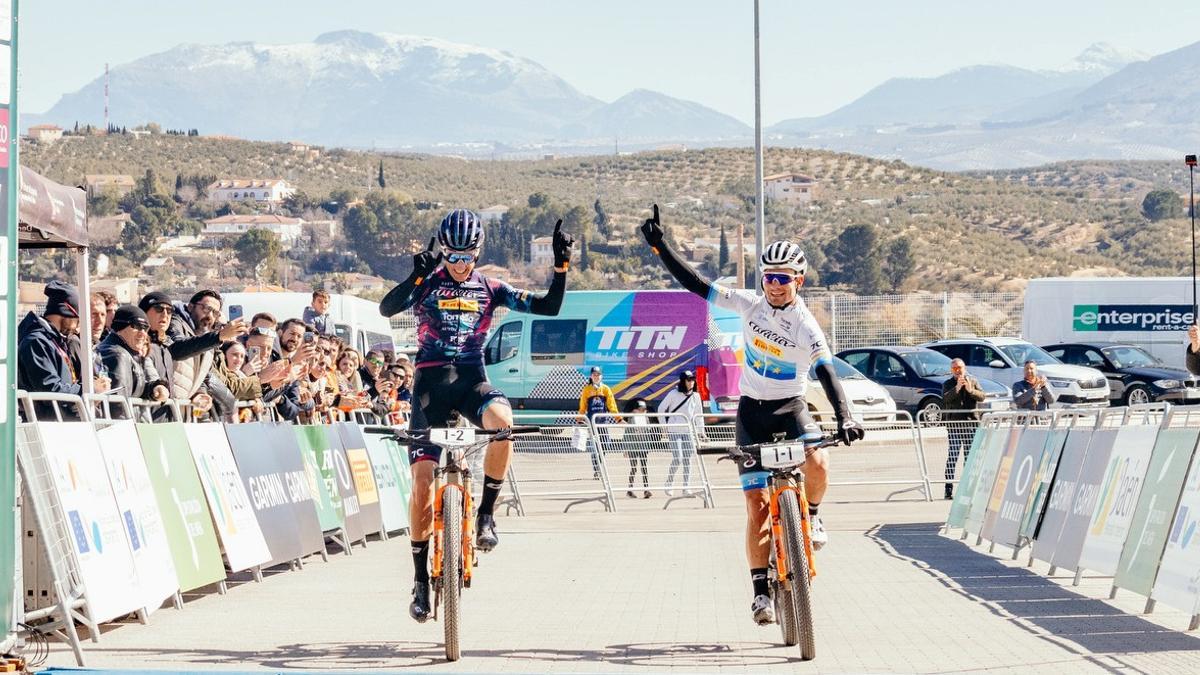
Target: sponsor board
(1060,492)
(1118,497)
(1131,318)
(1178,581)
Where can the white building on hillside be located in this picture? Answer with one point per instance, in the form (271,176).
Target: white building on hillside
(287,229)
(794,188)
(270,190)
(541,251)
(493,214)
(45,133)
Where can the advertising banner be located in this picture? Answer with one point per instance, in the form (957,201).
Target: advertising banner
(363,475)
(1155,509)
(1087,493)
(80,478)
(1043,477)
(289,458)
(989,461)
(967,479)
(181,502)
(1178,582)
(271,489)
(314,445)
(130,481)
(334,460)
(1118,496)
(393,505)
(237,527)
(1021,479)
(1060,493)
(1000,482)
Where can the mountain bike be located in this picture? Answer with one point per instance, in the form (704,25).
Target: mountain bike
(791,568)
(453,552)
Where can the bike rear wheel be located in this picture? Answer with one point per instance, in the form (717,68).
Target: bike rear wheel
(451,568)
(798,574)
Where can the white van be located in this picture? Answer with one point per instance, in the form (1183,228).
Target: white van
(355,320)
(1151,312)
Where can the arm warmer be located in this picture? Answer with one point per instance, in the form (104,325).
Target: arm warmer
(833,389)
(683,273)
(551,301)
(400,298)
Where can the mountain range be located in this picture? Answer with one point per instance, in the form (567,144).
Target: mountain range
(357,89)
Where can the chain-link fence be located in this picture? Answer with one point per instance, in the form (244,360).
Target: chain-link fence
(913,318)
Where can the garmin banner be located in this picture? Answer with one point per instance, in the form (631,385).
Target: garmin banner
(106,566)
(273,491)
(1178,582)
(967,479)
(1118,496)
(134,493)
(1042,480)
(363,475)
(290,460)
(393,506)
(1060,493)
(1087,493)
(181,502)
(1026,459)
(1132,318)
(1156,509)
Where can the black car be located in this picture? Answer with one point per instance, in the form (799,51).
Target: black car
(1134,376)
(914,377)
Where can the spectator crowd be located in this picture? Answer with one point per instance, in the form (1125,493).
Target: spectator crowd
(164,350)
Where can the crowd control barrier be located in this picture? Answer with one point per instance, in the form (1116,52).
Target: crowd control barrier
(1112,491)
(645,454)
(560,462)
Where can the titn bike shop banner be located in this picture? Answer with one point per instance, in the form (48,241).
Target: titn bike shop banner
(181,502)
(139,513)
(237,527)
(98,531)
(274,491)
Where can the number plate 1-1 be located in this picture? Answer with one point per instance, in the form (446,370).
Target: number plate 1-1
(776,456)
(458,436)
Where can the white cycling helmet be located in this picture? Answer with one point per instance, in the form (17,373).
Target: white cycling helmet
(786,255)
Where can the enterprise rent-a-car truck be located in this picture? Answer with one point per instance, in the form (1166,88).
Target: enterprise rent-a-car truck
(1151,312)
(641,340)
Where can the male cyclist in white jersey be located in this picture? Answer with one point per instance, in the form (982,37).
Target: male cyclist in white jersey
(782,340)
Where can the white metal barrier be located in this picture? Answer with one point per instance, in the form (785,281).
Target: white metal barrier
(660,453)
(560,461)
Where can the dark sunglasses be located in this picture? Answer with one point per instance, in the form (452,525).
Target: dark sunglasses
(456,257)
(165,308)
(140,326)
(778,278)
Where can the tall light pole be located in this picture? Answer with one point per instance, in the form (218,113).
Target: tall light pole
(1190,160)
(759,214)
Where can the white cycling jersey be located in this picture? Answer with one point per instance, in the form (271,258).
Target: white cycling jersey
(781,344)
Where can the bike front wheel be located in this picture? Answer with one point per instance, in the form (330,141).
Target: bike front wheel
(452,568)
(799,581)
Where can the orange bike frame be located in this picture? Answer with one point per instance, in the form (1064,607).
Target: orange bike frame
(439,531)
(777,533)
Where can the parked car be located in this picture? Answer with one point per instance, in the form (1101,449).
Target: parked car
(868,401)
(914,377)
(1134,375)
(1003,360)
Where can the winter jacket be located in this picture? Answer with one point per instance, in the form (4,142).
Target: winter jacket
(954,400)
(44,363)
(129,371)
(319,322)
(193,355)
(597,400)
(243,387)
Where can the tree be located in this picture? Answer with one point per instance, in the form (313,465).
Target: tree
(723,253)
(854,259)
(601,220)
(899,264)
(256,247)
(1161,204)
(380,180)
(538,199)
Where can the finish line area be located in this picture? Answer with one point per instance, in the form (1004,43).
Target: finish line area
(646,589)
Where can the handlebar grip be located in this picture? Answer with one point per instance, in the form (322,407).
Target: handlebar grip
(525,429)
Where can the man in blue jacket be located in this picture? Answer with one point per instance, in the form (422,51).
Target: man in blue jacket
(44,362)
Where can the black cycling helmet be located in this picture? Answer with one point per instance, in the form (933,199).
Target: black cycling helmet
(461,230)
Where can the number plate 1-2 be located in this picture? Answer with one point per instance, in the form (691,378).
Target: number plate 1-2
(457,436)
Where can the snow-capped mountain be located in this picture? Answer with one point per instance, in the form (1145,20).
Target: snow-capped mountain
(359,89)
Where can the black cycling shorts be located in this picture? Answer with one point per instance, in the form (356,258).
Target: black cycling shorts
(440,390)
(758,421)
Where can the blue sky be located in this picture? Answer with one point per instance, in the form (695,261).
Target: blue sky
(816,56)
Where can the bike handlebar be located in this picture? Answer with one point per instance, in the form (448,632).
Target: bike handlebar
(421,436)
(741,451)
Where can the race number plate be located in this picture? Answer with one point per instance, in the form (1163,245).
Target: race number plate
(457,436)
(780,456)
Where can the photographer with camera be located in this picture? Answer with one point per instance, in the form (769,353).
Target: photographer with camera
(1032,393)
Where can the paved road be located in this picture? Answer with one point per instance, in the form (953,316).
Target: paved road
(645,590)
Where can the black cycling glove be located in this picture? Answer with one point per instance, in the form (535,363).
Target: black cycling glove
(562,246)
(849,429)
(425,262)
(652,230)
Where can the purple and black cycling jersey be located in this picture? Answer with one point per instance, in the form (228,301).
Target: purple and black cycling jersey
(453,318)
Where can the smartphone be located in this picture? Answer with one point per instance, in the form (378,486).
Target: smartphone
(235,312)
(310,337)
(253,352)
